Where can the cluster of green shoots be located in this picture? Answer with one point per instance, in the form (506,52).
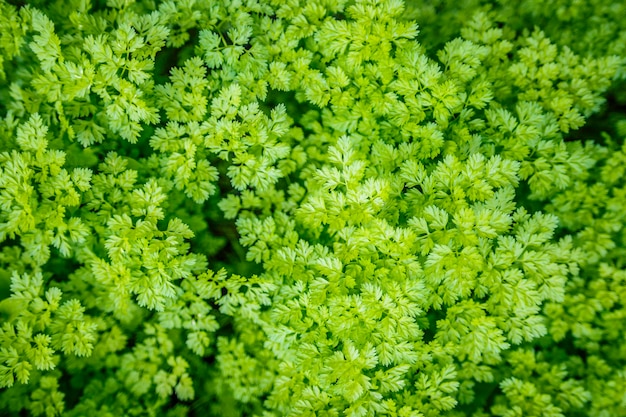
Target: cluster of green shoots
(312,208)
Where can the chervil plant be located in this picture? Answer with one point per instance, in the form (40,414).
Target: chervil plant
(312,208)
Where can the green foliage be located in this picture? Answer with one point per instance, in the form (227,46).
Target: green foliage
(312,208)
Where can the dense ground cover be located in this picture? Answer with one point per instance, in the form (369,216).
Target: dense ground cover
(312,208)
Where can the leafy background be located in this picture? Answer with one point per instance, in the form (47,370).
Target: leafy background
(319,208)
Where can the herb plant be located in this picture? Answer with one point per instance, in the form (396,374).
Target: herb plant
(312,208)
